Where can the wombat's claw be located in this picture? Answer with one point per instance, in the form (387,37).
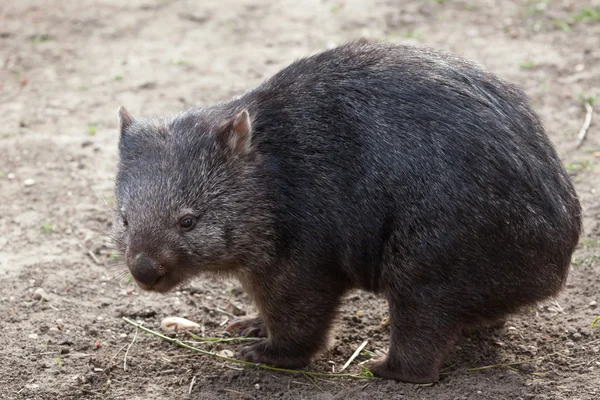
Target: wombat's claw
(249,327)
(262,352)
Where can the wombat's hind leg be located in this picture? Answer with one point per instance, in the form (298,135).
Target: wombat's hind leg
(420,337)
(253,327)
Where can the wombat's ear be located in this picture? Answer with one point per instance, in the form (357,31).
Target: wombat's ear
(125,119)
(236,134)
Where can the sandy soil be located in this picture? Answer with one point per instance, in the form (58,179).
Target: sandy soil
(65,68)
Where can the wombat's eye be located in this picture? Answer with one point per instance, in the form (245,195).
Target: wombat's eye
(187,223)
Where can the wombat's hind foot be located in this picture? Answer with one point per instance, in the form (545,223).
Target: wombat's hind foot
(382,368)
(253,327)
(421,335)
(264,353)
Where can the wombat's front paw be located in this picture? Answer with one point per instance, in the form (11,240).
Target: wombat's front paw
(254,327)
(262,352)
(382,369)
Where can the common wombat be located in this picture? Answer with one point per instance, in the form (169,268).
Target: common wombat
(398,170)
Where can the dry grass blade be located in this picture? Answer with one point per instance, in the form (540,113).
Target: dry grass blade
(354,355)
(221,340)
(508,365)
(139,326)
(179,343)
(192,385)
(94,258)
(586,124)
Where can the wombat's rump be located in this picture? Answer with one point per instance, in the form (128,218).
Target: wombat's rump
(398,170)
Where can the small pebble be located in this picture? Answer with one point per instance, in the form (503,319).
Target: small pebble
(576,336)
(257,386)
(10,176)
(29,182)
(40,294)
(170,324)
(33,336)
(593,304)
(235,309)
(226,353)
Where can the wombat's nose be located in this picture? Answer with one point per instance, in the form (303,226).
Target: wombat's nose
(144,271)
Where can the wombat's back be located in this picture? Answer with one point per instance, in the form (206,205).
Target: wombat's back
(400,165)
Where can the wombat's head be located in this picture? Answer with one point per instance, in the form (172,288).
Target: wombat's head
(183,194)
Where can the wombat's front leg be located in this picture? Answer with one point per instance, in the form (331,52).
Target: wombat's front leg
(297,316)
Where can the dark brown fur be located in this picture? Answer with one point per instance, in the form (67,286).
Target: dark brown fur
(398,170)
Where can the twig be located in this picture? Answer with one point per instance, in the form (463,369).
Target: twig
(354,355)
(192,385)
(85,390)
(560,309)
(220,340)
(312,380)
(93,257)
(166,371)
(113,357)
(224,312)
(139,326)
(232,391)
(179,343)
(514,363)
(586,124)
(300,383)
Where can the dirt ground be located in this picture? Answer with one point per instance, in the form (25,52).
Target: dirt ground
(65,68)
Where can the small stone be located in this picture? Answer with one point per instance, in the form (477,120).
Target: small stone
(593,304)
(257,386)
(226,353)
(33,336)
(385,322)
(29,182)
(234,309)
(10,176)
(171,324)
(576,336)
(40,294)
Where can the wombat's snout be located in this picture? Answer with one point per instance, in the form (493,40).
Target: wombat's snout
(145,271)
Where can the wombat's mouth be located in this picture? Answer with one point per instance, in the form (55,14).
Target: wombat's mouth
(163,284)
